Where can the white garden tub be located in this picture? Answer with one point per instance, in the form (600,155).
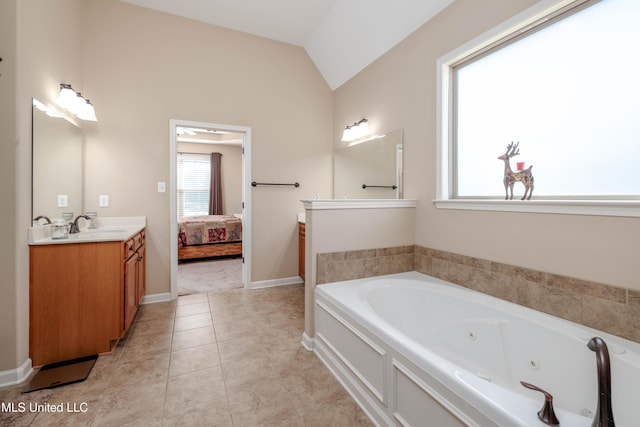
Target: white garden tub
(415,350)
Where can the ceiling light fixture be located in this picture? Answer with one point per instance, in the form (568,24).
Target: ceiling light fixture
(75,103)
(356,131)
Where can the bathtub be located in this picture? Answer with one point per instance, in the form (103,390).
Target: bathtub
(415,350)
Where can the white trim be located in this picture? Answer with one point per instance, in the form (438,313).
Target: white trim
(346,378)
(17,375)
(626,208)
(399,367)
(358,204)
(295,280)
(444,178)
(154,298)
(246,195)
(307,342)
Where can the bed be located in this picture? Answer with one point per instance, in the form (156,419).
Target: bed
(209,236)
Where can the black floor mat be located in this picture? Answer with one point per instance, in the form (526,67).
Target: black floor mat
(62,373)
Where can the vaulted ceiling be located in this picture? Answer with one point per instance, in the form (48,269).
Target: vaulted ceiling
(341,37)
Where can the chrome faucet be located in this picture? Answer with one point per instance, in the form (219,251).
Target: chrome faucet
(39,217)
(74,225)
(604,412)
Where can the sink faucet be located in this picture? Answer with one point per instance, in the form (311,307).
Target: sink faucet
(39,217)
(74,225)
(604,412)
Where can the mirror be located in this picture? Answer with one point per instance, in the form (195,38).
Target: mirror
(369,170)
(56,164)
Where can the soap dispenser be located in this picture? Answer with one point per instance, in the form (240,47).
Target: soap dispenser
(59,229)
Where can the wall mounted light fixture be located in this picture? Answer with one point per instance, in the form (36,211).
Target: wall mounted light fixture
(75,103)
(45,109)
(356,131)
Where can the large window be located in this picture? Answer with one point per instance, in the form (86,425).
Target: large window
(194,176)
(564,85)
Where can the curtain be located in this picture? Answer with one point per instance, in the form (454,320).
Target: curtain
(215,189)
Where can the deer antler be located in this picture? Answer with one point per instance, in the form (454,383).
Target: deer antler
(512,150)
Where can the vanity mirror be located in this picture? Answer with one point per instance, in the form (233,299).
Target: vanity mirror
(56,164)
(371,169)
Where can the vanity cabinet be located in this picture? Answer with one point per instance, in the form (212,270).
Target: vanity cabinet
(301,249)
(82,296)
(134,277)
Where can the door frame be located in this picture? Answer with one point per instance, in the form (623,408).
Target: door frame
(173,196)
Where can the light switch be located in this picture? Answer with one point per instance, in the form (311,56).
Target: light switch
(103,201)
(63,201)
(162,187)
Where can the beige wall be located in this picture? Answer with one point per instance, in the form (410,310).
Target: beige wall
(143,68)
(43,50)
(399,91)
(140,69)
(350,229)
(231,171)
(8,235)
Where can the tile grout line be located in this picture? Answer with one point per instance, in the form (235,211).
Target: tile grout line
(224,382)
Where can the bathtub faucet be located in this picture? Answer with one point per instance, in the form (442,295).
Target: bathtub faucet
(604,412)
(547,415)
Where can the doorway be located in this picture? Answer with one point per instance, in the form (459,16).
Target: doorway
(244,135)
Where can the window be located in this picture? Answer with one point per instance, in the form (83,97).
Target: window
(194,172)
(564,84)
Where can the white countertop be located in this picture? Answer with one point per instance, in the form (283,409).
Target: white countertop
(108,229)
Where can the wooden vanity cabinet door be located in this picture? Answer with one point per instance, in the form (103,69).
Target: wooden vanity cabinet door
(301,248)
(141,274)
(74,298)
(134,277)
(130,302)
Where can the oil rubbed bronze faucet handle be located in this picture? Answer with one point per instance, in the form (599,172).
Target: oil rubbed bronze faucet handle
(546,414)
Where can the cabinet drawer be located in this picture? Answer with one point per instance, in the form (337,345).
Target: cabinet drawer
(133,244)
(138,240)
(128,249)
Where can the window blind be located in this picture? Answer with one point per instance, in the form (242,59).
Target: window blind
(194,175)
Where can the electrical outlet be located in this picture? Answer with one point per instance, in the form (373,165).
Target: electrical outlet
(162,187)
(103,201)
(63,201)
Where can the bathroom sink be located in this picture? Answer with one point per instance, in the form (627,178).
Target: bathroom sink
(103,230)
(108,229)
(102,234)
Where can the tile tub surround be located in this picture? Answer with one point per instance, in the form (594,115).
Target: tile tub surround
(608,308)
(223,358)
(337,266)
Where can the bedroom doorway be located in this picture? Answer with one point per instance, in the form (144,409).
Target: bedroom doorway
(214,250)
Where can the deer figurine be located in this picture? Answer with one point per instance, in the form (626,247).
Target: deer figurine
(511,177)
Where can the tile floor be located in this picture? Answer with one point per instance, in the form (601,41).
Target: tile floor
(224,358)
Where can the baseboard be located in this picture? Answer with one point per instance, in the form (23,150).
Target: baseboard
(307,342)
(17,375)
(166,296)
(153,298)
(276,282)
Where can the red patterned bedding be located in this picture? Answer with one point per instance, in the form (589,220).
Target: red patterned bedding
(201,230)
